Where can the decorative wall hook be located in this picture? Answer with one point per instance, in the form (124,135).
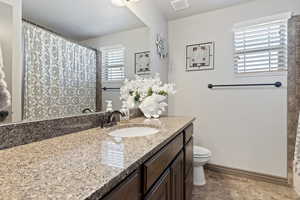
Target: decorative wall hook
(162,46)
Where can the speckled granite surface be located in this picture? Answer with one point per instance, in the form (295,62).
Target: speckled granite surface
(83,165)
(16,134)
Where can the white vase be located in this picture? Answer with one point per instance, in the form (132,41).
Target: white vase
(153,106)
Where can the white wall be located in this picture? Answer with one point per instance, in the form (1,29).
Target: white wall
(16,57)
(149,14)
(6,32)
(244,128)
(136,40)
(152,16)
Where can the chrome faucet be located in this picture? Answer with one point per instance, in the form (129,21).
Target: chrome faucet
(110,119)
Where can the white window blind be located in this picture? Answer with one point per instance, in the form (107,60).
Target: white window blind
(113,64)
(261,47)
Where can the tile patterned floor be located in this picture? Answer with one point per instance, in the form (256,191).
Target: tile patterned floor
(225,187)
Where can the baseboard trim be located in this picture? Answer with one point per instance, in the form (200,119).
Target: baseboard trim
(248,174)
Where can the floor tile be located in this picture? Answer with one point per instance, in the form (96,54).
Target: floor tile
(227,187)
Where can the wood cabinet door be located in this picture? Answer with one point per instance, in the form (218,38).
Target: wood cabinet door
(154,167)
(162,189)
(189,185)
(188,150)
(129,189)
(188,133)
(177,177)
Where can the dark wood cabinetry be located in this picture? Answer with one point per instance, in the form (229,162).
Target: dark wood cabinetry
(177,177)
(188,162)
(159,162)
(188,133)
(162,190)
(188,153)
(168,175)
(188,185)
(130,189)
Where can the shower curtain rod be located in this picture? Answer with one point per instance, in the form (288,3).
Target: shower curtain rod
(57,34)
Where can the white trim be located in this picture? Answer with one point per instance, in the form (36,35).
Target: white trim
(283,16)
(261,74)
(120,82)
(119,46)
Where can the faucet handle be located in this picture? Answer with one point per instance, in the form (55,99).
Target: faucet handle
(113,120)
(109,118)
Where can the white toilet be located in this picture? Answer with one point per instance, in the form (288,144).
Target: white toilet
(201,157)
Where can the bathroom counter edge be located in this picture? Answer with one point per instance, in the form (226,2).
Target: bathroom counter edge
(80,165)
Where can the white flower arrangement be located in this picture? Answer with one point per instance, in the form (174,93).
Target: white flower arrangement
(148,94)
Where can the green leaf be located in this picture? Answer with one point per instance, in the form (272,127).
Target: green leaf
(163,93)
(150,92)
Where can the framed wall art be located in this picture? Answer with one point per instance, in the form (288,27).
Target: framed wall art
(142,63)
(200,56)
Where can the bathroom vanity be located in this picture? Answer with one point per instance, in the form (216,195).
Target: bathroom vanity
(167,175)
(91,164)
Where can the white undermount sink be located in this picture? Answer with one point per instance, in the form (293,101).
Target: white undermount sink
(134,131)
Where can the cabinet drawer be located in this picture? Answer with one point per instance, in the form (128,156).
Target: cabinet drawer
(131,187)
(188,190)
(188,153)
(188,133)
(154,167)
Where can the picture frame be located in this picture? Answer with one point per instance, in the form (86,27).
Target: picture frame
(200,56)
(142,63)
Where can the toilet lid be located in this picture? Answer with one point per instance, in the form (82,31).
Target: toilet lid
(201,152)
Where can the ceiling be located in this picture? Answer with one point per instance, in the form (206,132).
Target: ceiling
(196,7)
(84,19)
(80,19)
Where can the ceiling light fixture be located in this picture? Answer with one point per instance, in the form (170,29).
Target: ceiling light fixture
(122,3)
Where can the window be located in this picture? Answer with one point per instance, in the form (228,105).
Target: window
(261,46)
(113,63)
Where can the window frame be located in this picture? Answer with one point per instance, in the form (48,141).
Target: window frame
(248,24)
(105,48)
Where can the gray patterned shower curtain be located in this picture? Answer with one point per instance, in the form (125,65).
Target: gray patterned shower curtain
(59,75)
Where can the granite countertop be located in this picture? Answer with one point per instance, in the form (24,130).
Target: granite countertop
(82,165)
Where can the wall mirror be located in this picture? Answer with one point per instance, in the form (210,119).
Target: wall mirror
(72,62)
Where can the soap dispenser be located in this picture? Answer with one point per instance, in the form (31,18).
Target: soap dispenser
(109,107)
(125,111)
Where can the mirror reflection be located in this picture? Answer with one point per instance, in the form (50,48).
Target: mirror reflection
(73,62)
